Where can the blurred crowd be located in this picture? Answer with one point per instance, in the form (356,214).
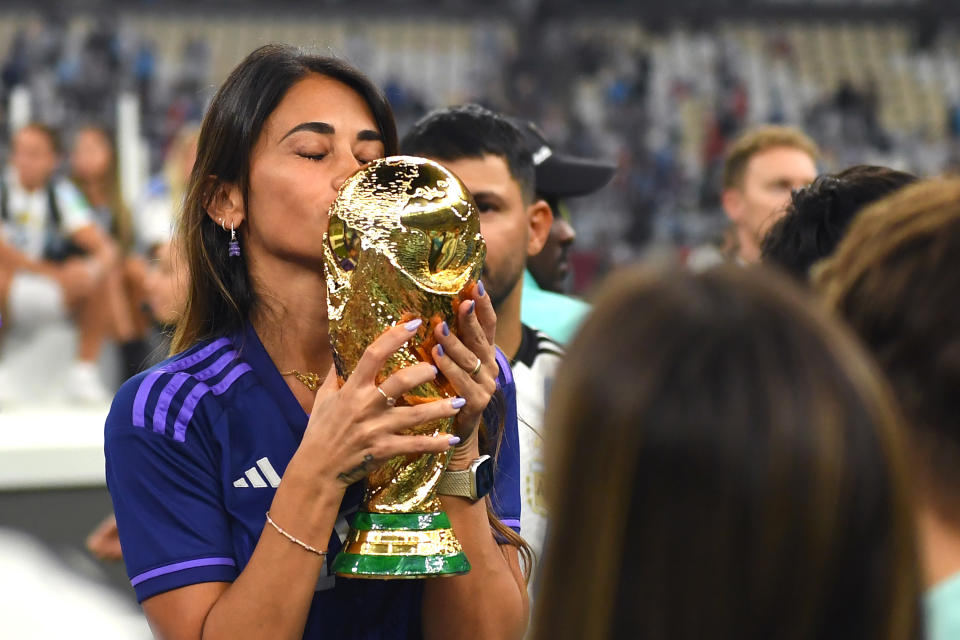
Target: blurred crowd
(753,438)
(80,263)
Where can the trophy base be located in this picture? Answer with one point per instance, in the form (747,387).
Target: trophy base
(387,546)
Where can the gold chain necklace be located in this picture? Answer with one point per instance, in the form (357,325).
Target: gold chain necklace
(309,379)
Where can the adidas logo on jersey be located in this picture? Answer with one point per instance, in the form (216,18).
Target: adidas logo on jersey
(256,480)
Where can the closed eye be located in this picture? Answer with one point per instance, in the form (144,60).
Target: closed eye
(313,156)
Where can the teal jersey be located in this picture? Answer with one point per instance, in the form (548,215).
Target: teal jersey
(942,604)
(556,315)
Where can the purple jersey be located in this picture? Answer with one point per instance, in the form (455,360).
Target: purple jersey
(195,448)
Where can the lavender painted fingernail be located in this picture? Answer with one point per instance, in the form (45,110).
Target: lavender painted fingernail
(413,324)
(454,441)
(445,329)
(435,370)
(440,350)
(457,403)
(473,305)
(480,288)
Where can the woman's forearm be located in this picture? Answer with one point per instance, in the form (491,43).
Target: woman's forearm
(272,595)
(490,601)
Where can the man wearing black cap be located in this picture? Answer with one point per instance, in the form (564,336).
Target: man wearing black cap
(489,154)
(558,176)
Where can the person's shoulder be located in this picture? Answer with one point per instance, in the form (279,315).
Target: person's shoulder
(536,349)
(68,194)
(547,345)
(555,313)
(166,398)
(563,301)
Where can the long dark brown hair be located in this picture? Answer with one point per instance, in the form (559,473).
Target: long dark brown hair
(724,462)
(220,295)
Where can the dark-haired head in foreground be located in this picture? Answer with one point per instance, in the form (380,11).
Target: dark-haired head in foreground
(818,216)
(723,462)
(895,279)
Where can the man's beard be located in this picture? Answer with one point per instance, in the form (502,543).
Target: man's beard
(499,289)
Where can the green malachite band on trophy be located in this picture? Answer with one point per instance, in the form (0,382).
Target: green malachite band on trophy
(365,521)
(363,566)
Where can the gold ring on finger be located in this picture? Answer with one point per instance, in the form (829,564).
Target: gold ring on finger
(391,401)
(476,369)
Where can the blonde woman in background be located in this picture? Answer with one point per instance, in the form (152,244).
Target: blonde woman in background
(95,172)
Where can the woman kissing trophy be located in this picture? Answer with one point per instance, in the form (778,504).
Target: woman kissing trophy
(403,242)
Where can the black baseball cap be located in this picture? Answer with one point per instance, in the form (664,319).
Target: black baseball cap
(559,174)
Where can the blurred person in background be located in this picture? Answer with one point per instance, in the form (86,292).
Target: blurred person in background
(558,176)
(163,198)
(490,155)
(54,258)
(211,556)
(724,461)
(165,288)
(157,213)
(95,172)
(818,216)
(761,168)
(895,278)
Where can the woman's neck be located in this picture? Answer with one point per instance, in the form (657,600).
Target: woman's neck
(291,319)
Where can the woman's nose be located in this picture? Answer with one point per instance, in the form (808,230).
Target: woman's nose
(344,170)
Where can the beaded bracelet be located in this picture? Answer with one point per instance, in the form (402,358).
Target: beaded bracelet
(292,539)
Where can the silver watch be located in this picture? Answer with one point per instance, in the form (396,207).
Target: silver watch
(474,482)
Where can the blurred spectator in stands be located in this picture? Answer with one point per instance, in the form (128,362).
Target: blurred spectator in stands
(95,172)
(144,71)
(164,281)
(163,197)
(54,259)
(895,278)
(818,215)
(762,167)
(157,214)
(165,285)
(557,176)
(724,462)
(95,86)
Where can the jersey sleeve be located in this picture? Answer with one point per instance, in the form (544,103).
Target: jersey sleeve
(167,497)
(505,496)
(74,211)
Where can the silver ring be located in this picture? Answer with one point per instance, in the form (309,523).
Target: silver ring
(476,369)
(391,401)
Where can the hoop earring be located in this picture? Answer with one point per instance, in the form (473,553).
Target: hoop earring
(234,246)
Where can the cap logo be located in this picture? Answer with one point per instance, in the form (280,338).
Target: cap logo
(541,154)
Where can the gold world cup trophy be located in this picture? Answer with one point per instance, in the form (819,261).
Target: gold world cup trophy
(403,242)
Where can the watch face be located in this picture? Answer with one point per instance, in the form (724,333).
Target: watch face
(484,477)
